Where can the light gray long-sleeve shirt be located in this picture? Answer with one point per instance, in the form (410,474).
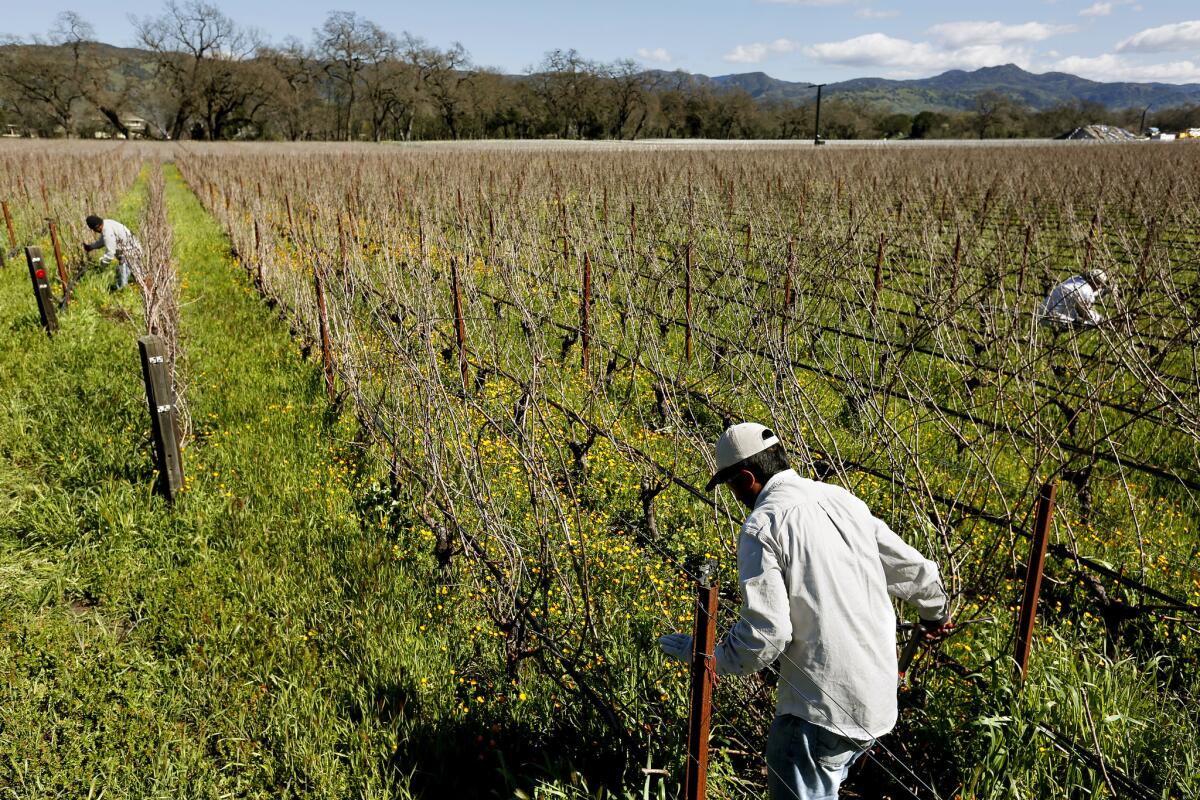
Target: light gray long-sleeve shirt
(1072,301)
(116,239)
(816,570)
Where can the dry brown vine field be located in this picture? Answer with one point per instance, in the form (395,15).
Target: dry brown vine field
(525,354)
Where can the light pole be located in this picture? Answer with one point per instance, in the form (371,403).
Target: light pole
(817,123)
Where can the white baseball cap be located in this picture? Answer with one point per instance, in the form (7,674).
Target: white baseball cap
(1097,276)
(738,443)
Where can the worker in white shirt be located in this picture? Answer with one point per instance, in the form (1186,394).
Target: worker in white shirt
(119,245)
(1073,302)
(817,571)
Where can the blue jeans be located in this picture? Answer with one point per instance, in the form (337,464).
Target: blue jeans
(806,761)
(122,274)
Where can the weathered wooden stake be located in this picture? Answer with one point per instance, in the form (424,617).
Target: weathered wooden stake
(585,314)
(323,324)
(1033,575)
(749,233)
(460,325)
(8,222)
(63,278)
(41,289)
(164,421)
(704,673)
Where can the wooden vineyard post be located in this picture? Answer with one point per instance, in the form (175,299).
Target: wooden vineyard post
(164,422)
(1033,575)
(749,233)
(460,326)
(585,313)
(323,324)
(12,233)
(41,289)
(58,260)
(704,673)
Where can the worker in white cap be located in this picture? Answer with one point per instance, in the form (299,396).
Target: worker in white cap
(817,571)
(1073,302)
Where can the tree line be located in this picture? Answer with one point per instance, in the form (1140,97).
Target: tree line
(195,73)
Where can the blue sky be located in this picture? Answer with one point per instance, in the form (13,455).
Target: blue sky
(813,40)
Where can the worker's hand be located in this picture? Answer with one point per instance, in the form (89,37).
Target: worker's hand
(105,260)
(677,645)
(936,630)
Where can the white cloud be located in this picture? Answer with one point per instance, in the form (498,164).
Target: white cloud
(871,13)
(658,55)
(970,34)
(1097,10)
(906,58)
(1176,36)
(758,52)
(1113,67)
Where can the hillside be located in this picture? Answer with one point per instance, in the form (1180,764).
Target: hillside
(955,90)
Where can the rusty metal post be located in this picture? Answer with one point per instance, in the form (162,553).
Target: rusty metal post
(788,290)
(704,673)
(58,261)
(1033,575)
(957,262)
(287,203)
(12,233)
(632,230)
(1147,249)
(585,313)
(878,275)
(460,325)
(41,289)
(164,422)
(323,324)
(687,302)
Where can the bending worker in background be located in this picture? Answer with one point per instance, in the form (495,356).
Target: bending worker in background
(1073,302)
(118,243)
(817,571)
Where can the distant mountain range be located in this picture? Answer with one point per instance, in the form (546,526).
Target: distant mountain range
(956,90)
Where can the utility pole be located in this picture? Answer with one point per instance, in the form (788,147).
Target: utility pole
(817,123)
